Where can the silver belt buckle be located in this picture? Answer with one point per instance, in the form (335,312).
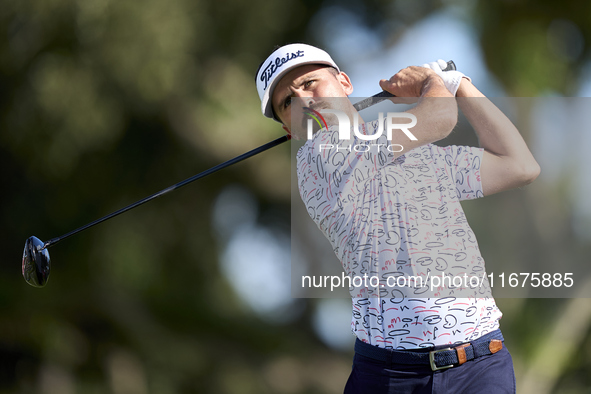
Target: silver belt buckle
(432,359)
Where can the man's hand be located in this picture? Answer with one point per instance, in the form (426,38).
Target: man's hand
(452,79)
(436,110)
(415,81)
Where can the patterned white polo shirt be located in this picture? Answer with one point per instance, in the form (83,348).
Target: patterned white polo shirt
(399,217)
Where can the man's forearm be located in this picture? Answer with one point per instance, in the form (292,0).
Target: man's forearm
(508,162)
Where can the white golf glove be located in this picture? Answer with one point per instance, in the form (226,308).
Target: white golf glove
(451,79)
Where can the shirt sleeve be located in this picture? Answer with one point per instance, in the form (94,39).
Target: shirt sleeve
(461,165)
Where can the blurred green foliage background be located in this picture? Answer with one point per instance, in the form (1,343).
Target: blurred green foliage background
(103,102)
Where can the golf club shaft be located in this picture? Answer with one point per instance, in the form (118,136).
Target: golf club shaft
(237,159)
(358,106)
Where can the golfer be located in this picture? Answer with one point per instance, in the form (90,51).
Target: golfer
(395,213)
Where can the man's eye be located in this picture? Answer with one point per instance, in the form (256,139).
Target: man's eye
(309,83)
(287,102)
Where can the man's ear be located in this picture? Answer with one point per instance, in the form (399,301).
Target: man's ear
(345,82)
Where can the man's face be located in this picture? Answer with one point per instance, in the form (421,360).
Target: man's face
(308,83)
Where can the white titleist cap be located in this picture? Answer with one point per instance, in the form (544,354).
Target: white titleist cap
(280,62)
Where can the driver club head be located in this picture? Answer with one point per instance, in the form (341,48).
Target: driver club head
(36,262)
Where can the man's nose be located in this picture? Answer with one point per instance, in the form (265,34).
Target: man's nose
(305,97)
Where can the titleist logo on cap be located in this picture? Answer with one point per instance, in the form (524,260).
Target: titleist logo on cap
(273,66)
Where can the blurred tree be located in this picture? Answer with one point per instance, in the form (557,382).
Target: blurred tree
(104,102)
(535,46)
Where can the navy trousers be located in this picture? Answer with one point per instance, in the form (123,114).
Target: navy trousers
(492,374)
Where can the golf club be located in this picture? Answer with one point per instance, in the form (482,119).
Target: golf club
(36,264)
